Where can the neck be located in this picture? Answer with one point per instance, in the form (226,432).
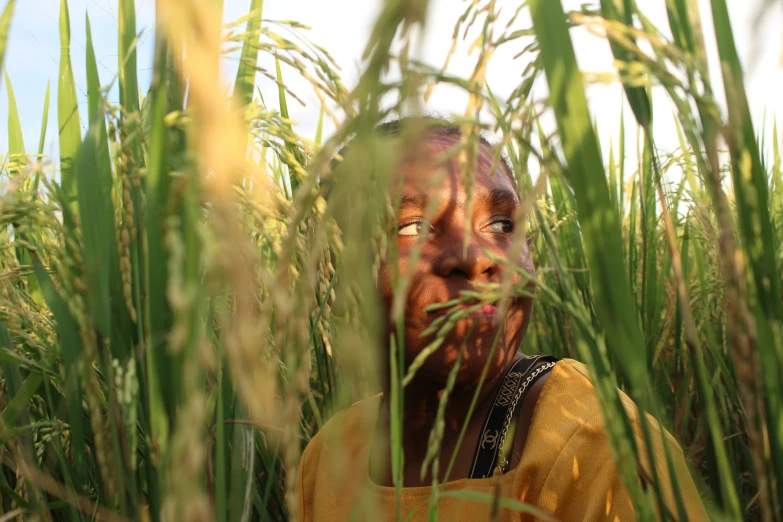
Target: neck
(421,403)
(420,410)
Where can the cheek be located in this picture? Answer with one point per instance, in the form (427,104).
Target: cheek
(389,273)
(419,289)
(385,289)
(517,321)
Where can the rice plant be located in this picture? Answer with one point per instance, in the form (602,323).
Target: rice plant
(188,290)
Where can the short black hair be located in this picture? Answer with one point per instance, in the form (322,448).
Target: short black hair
(437,126)
(433,126)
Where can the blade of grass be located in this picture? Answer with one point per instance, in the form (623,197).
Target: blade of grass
(119,328)
(44,126)
(15,138)
(19,160)
(94,96)
(599,220)
(641,105)
(397,369)
(586,174)
(649,250)
(126,46)
(621,157)
(613,191)
(319,129)
(297,154)
(17,412)
(17,407)
(221,443)
(67,112)
(71,346)
(242,464)
(760,246)
(66,466)
(94,185)
(750,182)
(5,27)
(164,387)
(248,60)
(637,96)
(130,136)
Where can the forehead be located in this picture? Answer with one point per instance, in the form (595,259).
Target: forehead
(435,164)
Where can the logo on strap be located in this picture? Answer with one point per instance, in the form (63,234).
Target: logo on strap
(489,438)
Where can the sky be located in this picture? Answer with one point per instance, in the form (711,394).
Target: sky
(342,27)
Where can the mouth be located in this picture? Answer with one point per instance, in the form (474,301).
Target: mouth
(473,310)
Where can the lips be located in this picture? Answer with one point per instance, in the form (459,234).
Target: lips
(485,310)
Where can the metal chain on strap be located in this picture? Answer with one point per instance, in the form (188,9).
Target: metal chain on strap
(503,463)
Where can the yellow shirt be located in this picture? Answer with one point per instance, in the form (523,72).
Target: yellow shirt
(567,468)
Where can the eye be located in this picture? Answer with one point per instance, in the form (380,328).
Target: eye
(501,226)
(411,229)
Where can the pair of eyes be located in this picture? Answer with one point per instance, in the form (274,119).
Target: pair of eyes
(499,226)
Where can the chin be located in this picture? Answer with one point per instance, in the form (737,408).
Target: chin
(478,352)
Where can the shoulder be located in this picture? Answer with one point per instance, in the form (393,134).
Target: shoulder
(350,428)
(572,429)
(338,449)
(347,432)
(569,395)
(570,399)
(568,412)
(571,391)
(570,424)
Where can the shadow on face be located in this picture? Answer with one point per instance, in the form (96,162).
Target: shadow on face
(433,218)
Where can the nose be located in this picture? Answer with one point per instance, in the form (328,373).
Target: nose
(471,263)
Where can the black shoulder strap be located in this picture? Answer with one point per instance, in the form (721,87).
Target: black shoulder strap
(487,449)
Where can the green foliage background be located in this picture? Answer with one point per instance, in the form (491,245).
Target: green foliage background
(182,304)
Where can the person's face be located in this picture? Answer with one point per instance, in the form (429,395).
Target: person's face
(447,266)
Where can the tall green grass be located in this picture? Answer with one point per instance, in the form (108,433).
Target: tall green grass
(187,294)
